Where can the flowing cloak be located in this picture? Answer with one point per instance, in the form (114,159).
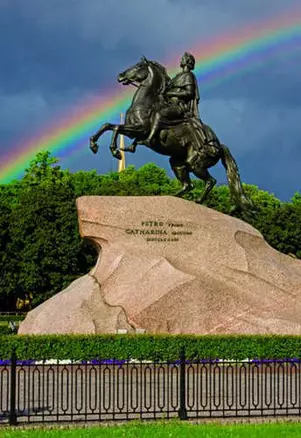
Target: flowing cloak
(200,131)
(194,104)
(181,80)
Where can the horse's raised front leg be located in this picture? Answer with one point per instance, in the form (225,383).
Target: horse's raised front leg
(131,148)
(93,139)
(127,130)
(104,128)
(113,146)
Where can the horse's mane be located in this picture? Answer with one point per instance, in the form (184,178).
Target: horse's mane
(164,73)
(161,67)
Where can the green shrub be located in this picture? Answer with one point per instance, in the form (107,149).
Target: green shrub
(14,318)
(150,347)
(5,330)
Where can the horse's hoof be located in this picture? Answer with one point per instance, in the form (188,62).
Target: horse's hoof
(180,194)
(144,142)
(94,147)
(117,154)
(200,201)
(234,209)
(131,148)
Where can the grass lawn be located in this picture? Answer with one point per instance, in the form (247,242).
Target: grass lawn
(168,429)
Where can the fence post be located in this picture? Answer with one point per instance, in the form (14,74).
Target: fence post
(13,375)
(182,411)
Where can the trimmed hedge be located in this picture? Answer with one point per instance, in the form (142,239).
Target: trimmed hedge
(5,330)
(150,347)
(7,318)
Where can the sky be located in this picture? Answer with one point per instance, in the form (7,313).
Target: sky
(56,54)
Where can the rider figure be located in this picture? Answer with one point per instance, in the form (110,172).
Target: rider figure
(183,98)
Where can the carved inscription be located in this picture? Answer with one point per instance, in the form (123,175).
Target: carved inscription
(157,231)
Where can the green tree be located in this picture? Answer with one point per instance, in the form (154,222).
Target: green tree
(296,199)
(43,169)
(86,183)
(46,251)
(282,229)
(41,250)
(5,212)
(148,180)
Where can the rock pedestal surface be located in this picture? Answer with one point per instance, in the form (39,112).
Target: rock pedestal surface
(167,265)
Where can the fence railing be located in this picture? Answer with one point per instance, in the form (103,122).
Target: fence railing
(123,390)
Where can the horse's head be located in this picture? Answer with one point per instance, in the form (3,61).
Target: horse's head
(137,73)
(147,73)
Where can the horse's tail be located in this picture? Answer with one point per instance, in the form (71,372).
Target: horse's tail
(234,181)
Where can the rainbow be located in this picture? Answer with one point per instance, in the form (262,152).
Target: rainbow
(217,60)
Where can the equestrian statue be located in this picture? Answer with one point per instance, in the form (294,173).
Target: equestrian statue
(164,116)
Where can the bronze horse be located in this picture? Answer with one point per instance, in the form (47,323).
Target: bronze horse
(178,139)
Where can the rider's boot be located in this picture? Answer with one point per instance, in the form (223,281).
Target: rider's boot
(153,131)
(193,158)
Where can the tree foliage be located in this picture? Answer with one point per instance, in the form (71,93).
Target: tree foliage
(41,251)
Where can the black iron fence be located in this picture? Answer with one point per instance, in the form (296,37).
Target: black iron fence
(123,390)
